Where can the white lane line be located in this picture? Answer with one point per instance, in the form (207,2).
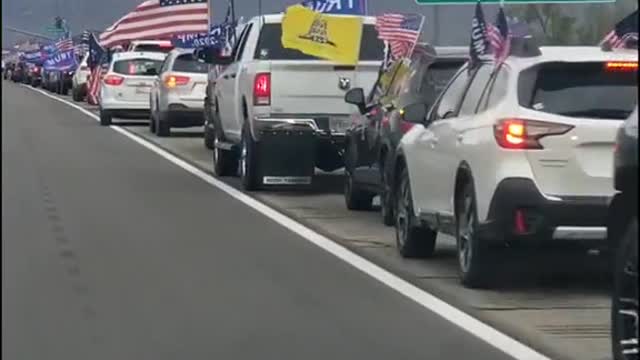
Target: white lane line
(468,323)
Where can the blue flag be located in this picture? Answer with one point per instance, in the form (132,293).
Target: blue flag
(344,7)
(479,42)
(215,39)
(96,52)
(61,61)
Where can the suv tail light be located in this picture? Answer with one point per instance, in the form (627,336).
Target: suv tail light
(525,134)
(113,80)
(172,81)
(621,66)
(262,89)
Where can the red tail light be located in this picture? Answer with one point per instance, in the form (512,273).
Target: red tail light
(113,80)
(525,134)
(262,89)
(621,66)
(172,81)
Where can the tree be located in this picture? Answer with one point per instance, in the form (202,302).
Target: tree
(548,22)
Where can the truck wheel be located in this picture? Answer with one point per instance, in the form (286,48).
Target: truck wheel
(413,240)
(64,90)
(225,162)
(105,117)
(249,161)
(624,325)
(474,257)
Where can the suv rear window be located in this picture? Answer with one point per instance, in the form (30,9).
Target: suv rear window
(579,90)
(165,49)
(136,66)
(270,46)
(189,63)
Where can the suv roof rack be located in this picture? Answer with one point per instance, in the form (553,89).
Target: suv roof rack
(525,46)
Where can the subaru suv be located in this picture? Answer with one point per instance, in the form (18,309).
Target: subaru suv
(514,154)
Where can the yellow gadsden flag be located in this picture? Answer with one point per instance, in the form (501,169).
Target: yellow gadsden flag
(335,38)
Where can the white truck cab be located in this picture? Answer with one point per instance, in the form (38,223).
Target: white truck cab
(268,93)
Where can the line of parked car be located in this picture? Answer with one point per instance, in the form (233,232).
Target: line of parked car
(502,157)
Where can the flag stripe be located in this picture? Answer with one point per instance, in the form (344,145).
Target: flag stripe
(158,19)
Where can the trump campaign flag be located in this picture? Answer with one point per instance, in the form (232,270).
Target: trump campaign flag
(343,7)
(328,37)
(61,61)
(479,42)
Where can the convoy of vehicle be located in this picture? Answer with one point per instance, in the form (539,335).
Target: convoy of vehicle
(499,156)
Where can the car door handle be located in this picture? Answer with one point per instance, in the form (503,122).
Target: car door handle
(233,76)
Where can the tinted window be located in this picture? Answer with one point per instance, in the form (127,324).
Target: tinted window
(478,84)
(436,77)
(189,63)
(579,90)
(136,66)
(270,45)
(452,95)
(154,48)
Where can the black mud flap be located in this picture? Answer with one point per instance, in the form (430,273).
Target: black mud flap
(287,157)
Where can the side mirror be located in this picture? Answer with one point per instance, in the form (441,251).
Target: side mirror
(212,56)
(414,113)
(355,97)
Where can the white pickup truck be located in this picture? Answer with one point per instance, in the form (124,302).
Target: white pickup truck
(277,113)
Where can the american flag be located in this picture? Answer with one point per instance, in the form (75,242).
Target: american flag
(158,20)
(401,31)
(626,29)
(499,37)
(64,45)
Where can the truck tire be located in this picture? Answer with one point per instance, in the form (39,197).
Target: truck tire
(248,164)
(354,197)
(105,117)
(225,162)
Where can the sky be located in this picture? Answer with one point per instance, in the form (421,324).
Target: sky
(35,15)
(445,24)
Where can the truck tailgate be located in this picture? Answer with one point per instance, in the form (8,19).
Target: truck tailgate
(313,87)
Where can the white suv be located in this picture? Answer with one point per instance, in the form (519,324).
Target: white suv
(517,155)
(125,88)
(177,96)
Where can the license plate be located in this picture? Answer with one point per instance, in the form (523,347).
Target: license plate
(143,90)
(286,180)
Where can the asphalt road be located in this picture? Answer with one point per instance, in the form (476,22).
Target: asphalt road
(110,251)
